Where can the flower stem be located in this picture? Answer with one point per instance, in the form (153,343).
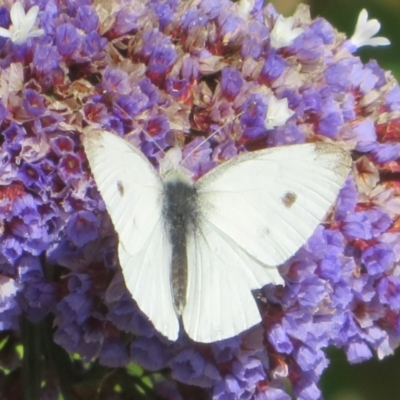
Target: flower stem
(32,360)
(58,361)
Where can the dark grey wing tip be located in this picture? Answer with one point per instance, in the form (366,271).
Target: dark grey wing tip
(343,156)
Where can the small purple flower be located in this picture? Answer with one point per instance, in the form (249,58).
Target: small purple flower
(132,105)
(278,338)
(126,19)
(389,291)
(253,117)
(93,45)
(189,366)
(30,174)
(179,88)
(165,12)
(161,60)
(231,83)
(45,59)
(339,74)
(193,19)
(5,20)
(67,40)
(323,29)
(150,353)
(366,224)
(384,153)
(377,259)
(393,99)
(82,228)
(69,167)
(309,46)
(287,134)
(276,394)
(365,132)
(273,67)
(34,103)
(252,44)
(358,352)
(115,81)
(86,19)
(330,122)
(62,145)
(114,355)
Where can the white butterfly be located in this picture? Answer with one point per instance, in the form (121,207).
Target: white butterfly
(196,250)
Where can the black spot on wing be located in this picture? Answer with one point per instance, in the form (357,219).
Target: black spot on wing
(120,188)
(289,199)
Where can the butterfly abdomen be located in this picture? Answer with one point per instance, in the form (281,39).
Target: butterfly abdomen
(180,212)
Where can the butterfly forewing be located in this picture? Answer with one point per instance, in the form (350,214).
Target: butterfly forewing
(270,202)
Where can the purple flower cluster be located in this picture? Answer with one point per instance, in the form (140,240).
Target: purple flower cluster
(183,71)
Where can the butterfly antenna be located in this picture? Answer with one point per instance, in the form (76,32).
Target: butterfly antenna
(212,135)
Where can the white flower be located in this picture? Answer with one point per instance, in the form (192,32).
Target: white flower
(244,8)
(21,29)
(8,288)
(365,30)
(283,34)
(278,112)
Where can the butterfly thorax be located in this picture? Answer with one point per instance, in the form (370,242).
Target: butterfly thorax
(180,211)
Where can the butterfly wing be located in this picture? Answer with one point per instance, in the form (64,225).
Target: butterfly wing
(221,276)
(256,211)
(132,192)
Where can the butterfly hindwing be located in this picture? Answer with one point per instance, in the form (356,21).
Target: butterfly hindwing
(221,276)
